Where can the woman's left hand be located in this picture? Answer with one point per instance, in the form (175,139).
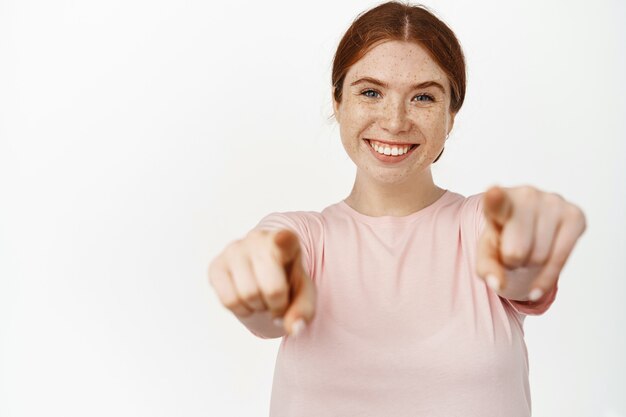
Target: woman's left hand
(528,236)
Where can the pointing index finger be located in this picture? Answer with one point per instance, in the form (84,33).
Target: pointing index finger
(498,206)
(288,246)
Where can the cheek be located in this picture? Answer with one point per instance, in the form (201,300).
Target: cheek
(355,121)
(433,121)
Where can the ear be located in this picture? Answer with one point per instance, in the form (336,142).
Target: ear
(335,107)
(450,123)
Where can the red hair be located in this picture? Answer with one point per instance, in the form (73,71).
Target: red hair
(404,22)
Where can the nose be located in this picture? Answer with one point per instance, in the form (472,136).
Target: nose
(394,117)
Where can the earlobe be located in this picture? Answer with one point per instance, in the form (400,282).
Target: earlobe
(450,124)
(336,110)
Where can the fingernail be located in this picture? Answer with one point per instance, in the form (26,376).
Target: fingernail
(297,327)
(535,294)
(493,282)
(278,322)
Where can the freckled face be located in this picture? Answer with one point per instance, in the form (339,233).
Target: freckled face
(400,111)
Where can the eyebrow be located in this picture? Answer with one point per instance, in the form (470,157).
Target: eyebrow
(385,85)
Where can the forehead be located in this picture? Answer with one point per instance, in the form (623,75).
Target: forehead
(398,63)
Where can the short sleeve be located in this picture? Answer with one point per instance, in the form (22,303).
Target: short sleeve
(530,308)
(307,227)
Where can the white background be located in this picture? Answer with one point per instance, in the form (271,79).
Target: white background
(138,138)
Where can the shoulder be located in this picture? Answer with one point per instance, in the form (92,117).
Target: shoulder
(468,211)
(300,221)
(472,202)
(467,206)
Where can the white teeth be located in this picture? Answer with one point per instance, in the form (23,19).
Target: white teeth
(393,150)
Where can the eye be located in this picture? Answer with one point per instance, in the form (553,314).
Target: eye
(364,92)
(374,94)
(424,97)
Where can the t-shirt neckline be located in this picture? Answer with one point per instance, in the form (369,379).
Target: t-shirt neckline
(409,218)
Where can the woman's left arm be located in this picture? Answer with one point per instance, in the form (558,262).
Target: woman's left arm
(528,236)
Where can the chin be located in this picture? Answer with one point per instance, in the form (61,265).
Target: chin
(386,176)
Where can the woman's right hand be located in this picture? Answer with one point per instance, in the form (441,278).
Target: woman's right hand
(262,272)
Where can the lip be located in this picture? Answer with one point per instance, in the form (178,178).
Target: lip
(389,158)
(389,143)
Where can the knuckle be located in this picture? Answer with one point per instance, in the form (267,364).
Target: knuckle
(250,296)
(233,249)
(254,236)
(232,304)
(529,192)
(276,292)
(556,196)
(252,233)
(259,232)
(228,250)
(577,214)
(514,256)
(584,224)
(553,200)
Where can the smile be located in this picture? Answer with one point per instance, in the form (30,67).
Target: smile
(390,153)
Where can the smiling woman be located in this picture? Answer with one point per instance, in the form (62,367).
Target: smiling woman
(411,105)
(375,294)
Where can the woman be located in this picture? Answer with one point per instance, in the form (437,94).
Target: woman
(404,299)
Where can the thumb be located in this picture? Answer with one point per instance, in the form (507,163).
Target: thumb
(303,295)
(498,206)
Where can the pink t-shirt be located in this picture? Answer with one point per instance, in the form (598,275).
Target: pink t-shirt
(403,326)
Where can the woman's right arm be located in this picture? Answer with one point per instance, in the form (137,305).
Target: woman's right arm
(260,278)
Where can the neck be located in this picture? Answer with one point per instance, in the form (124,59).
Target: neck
(374,198)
